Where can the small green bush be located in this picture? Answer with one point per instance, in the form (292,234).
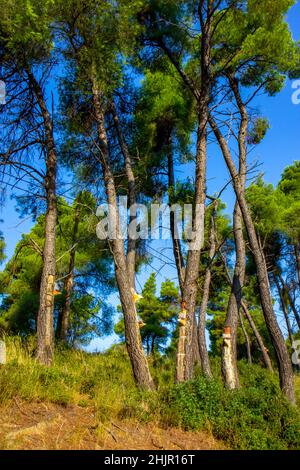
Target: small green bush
(256,416)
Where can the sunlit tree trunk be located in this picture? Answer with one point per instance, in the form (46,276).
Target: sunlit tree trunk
(185,356)
(229,349)
(131,242)
(282,355)
(132,332)
(177,249)
(69,281)
(202,94)
(205,297)
(45,324)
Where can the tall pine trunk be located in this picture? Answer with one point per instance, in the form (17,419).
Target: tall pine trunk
(282,355)
(69,282)
(185,351)
(264,352)
(45,326)
(205,297)
(185,355)
(177,250)
(202,94)
(133,340)
(229,349)
(131,243)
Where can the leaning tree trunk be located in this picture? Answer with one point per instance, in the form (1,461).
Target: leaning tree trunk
(259,340)
(229,349)
(282,355)
(134,346)
(284,309)
(133,340)
(177,251)
(45,326)
(291,302)
(131,243)
(264,352)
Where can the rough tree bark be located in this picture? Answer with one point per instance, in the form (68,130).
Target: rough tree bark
(229,354)
(265,356)
(133,340)
(69,282)
(284,308)
(131,242)
(45,326)
(185,350)
(205,297)
(185,356)
(185,362)
(289,297)
(264,352)
(177,249)
(282,355)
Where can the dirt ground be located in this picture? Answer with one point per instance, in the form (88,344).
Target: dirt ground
(40,426)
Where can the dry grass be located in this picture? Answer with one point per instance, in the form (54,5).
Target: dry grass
(40,426)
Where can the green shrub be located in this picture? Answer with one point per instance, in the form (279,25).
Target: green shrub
(256,416)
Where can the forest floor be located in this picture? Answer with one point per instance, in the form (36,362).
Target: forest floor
(90,401)
(43,426)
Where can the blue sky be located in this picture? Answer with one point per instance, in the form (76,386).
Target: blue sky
(279,149)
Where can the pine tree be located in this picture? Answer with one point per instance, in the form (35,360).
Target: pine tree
(158,315)
(26,52)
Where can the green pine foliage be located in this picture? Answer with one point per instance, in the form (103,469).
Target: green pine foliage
(20,280)
(159,315)
(122,49)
